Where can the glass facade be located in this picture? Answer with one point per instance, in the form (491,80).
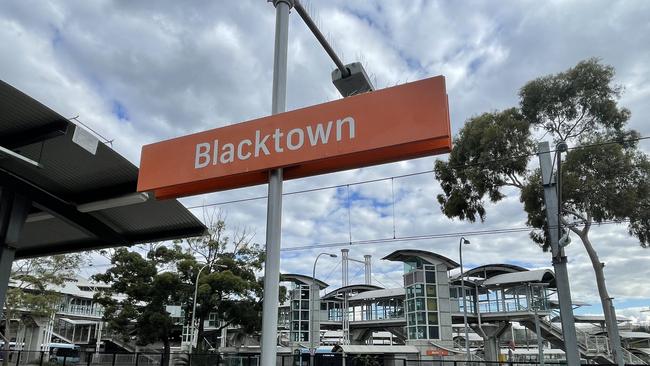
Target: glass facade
(299,328)
(422,318)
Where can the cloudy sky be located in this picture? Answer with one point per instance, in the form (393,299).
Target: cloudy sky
(140,72)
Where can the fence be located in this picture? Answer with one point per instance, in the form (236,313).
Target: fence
(42,358)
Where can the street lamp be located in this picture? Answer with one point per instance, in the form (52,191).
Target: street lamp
(196,289)
(462,289)
(311,312)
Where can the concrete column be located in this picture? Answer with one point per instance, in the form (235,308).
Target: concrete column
(367,261)
(490,332)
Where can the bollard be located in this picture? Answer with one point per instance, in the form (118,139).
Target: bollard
(40,363)
(113,362)
(18,358)
(137,358)
(89,357)
(64,359)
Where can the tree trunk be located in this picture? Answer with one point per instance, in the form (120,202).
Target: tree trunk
(608,307)
(199,336)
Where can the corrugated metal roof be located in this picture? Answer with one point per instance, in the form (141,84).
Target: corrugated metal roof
(376,349)
(70,176)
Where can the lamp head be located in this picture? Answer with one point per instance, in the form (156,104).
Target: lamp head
(333,255)
(465,241)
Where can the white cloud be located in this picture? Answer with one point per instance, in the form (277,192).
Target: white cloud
(176,68)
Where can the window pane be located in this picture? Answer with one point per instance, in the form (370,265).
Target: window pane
(434,333)
(304,315)
(411,305)
(411,319)
(432,304)
(295,304)
(431,291)
(304,304)
(419,290)
(295,315)
(431,277)
(412,333)
(420,317)
(410,292)
(408,279)
(433,318)
(295,325)
(419,304)
(421,332)
(304,325)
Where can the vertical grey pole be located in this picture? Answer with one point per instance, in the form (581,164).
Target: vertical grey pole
(559,259)
(462,289)
(13,213)
(274,206)
(367,261)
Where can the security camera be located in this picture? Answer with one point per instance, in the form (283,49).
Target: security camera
(562,146)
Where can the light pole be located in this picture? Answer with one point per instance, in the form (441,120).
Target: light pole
(196,289)
(312,293)
(462,289)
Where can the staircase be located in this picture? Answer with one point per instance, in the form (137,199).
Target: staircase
(593,347)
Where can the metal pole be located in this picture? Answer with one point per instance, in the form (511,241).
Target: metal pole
(313,290)
(321,39)
(559,258)
(462,288)
(274,205)
(196,289)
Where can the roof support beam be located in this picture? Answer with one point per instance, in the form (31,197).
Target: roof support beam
(33,135)
(62,210)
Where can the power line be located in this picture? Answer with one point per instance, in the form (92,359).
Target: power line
(427,236)
(428,171)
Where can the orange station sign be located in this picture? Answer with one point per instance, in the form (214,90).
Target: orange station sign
(392,124)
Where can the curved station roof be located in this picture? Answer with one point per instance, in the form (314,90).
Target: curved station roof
(404,255)
(81,193)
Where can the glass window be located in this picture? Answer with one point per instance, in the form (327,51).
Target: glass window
(411,305)
(434,333)
(431,277)
(412,333)
(410,292)
(419,304)
(419,289)
(295,304)
(295,315)
(420,317)
(411,318)
(433,318)
(421,333)
(432,304)
(431,291)
(295,325)
(304,304)
(304,315)
(323,306)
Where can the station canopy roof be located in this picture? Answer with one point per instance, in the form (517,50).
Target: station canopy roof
(302,279)
(518,278)
(83,193)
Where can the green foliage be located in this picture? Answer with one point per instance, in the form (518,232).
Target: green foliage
(228,286)
(166,275)
(146,290)
(602,181)
(34,281)
(481,163)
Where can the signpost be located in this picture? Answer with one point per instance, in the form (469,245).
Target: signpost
(393,124)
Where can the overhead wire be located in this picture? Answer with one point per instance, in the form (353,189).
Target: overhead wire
(413,174)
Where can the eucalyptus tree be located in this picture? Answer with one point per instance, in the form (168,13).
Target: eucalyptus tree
(606,177)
